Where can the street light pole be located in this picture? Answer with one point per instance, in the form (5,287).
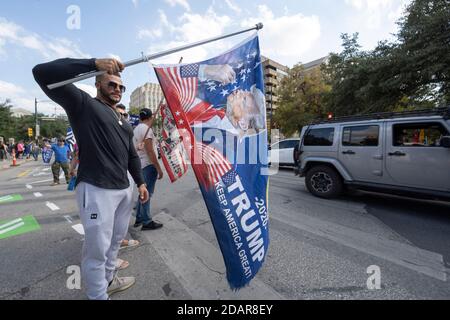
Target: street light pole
(36,125)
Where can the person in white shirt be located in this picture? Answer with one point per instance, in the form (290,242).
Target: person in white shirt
(144,140)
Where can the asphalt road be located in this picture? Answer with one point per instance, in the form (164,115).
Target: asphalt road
(319,249)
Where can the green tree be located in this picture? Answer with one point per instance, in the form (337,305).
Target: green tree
(301,99)
(5,119)
(411,72)
(424,45)
(54,129)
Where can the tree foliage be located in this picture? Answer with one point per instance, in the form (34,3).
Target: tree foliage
(17,128)
(413,71)
(301,99)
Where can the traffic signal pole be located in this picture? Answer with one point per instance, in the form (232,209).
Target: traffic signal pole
(35,119)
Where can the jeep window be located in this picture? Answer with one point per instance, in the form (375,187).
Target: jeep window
(418,134)
(319,137)
(361,136)
(287,144)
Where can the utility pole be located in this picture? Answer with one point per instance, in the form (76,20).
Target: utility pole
(36,124)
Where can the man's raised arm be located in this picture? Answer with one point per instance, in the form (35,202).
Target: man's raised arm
(68,96)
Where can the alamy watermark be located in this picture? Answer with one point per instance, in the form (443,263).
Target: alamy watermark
(374,280)
(74,280)
(73,22)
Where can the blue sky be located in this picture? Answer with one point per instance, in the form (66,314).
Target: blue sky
(34,31)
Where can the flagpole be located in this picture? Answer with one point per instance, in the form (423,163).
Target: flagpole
(152,56)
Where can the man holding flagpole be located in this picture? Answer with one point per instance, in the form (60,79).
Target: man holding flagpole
(106,153)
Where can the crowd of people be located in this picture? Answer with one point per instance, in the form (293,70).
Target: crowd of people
(21,150)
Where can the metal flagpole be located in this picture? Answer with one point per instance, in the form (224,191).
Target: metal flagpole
(152,56)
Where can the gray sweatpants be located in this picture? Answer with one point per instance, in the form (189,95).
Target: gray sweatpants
(105,215)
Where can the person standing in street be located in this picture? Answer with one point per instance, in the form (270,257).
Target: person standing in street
(144,140)
(62,154)
(3,151)
(106,154)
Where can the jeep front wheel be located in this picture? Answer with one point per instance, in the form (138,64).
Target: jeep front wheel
(324,182)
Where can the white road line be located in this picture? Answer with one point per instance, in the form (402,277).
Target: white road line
(69,220)
(12,227)
(48,180)
(6,198)
(41,174)
(52,206)
(11,223)
(29,186)
(190,257)
(402,254)
(79,228)
(37,194)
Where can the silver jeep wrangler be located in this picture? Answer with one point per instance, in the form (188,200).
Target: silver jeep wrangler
(404,153)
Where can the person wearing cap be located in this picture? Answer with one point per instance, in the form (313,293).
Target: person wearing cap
(144,140)
(107,154)
(62,155)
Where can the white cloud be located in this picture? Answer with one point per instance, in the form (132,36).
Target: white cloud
(114,56)
(285,38)
(182,3)
(20,99)
(375,12)
(11,33)
(8,89)
(89,89)
(233,7)
(190,29)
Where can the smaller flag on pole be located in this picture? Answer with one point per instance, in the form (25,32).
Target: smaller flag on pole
(70,139)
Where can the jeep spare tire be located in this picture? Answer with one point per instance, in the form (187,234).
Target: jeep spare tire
(323,182)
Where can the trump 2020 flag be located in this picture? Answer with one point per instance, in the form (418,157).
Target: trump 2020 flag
(219,109)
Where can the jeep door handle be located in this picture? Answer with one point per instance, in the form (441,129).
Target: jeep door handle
(348,152)
(397,154)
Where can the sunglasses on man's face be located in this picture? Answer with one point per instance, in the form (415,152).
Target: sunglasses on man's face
(114,85)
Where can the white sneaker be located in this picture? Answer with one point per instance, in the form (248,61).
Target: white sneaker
(120,284)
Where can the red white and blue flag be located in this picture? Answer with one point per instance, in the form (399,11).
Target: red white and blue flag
(218,109)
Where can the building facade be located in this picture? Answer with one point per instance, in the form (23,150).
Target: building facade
(273,73)
(147,96)
(315,65)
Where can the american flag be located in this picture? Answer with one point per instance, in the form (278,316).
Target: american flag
(184,79)
(185,83)
(217,165)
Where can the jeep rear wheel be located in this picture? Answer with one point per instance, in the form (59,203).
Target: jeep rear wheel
(324,182)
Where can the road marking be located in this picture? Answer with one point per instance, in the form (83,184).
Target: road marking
(402,254)
(37,194)
(29,186)
(41,174)
(79,228)
(52,206)
(68,219)
(22,174)
(48,180)
(190,257)
(10,198)
(12,228)
(46,169)
(10,223)
(18,226)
